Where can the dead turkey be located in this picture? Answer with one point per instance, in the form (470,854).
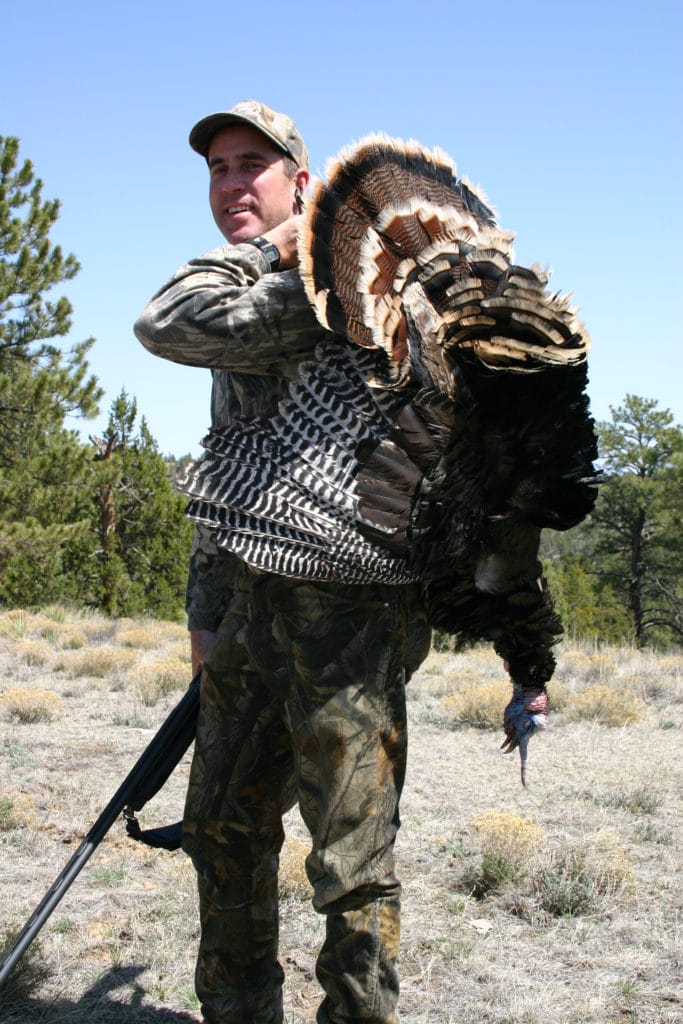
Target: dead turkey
(447,430)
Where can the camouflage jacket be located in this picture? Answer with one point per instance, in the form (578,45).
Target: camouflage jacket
(251,328)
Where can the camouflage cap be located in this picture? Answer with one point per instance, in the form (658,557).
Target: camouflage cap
(277,127)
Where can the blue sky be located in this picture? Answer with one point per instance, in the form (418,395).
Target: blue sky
(568,115)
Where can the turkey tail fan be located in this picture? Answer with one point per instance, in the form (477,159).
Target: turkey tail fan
(403,257)
(399,254)
(385,203)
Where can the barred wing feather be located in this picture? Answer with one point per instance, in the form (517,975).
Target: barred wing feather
(448,429)
(281,495)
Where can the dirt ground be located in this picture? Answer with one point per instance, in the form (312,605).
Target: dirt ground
(581,926)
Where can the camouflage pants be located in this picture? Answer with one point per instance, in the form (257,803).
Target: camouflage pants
(302,699)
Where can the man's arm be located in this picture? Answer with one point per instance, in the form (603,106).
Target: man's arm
(209,587)
(226,311)
(201,642)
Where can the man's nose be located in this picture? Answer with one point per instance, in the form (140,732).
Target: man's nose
(232,181)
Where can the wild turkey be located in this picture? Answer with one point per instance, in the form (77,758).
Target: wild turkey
(439,439)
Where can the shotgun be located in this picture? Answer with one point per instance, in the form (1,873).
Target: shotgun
(145,779)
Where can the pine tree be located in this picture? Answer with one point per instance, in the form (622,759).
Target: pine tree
(142,538)
(639,517)
(584,599)
(44,470)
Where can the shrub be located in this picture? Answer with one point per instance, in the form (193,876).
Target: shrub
(670,664)
(98,662)
(563,892)
(292,876)
(33,652)
(136,637)
(170,631)
(177,648)
(14,623)
(605,705)
(71,638)
(27,977)
(30,706)
(44,628)
(18,756)
(640,800)
(480,706)
(508,843)
(580,873)
(157,678)
(559,695)
(575,665)
(16,811)
(99,630)
(442,642)
(56,612)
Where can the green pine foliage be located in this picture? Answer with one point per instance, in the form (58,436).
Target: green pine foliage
(44,470)
(141,537)
(588,606)
(618,577)
(55,543)
(638,521)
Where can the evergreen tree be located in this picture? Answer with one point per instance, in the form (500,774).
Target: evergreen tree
(142,537)
(639,515)
(44,470)
(587,603)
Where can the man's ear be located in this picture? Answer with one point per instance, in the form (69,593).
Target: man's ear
(300,183)
(301,180)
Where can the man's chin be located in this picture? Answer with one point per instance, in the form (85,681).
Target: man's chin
(242,233)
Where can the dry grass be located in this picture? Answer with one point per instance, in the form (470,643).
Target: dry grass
(97,662)
(478,704)
(30,705)
(158,678)
(604,704)
(509,846)
(16,811)
(556,904)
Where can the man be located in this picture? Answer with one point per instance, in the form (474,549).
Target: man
(302,695)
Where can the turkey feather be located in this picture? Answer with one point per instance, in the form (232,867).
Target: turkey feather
(439,427)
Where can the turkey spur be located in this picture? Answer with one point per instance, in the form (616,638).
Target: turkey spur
(443,428)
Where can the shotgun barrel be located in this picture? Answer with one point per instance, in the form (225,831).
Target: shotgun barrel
(145,779)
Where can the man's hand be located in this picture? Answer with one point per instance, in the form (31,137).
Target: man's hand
(286,236)
(201,642)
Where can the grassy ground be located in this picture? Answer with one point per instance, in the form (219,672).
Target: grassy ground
(558,904)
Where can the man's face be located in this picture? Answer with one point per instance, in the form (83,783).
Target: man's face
(249,191)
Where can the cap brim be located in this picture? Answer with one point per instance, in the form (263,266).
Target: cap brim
(204,131)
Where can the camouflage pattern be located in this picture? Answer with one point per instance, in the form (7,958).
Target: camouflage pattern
(302,699)
(277,127)
(224,311)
